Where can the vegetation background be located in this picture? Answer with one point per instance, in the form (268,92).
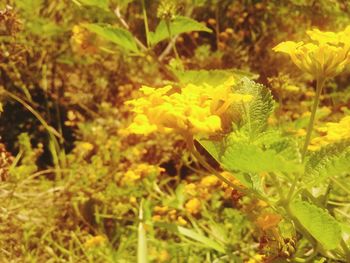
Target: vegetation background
(76,187)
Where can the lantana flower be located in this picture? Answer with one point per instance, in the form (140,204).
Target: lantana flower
(324,57)
(193,110)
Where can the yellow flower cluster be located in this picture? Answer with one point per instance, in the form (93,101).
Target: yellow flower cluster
(334,131)
(191,111)
(203,189)
(325,56)
(140,171)
(95,241)
(164,213)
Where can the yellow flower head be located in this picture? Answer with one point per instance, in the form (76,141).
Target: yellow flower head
(193,206)
(192,110)
(325,56)
(95,241)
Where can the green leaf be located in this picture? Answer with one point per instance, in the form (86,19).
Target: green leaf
(179,25)
(44,28)
(121,37)
(256,112)
(142,255)
(318,222)
(103,4)
(201,239)
(331,160)
(211,77)
(214,148)
(195,235)
(247,157)
(285,146)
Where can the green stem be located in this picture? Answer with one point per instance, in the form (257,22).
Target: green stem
(346,249)
(146,22)
(202,161)
(319,87)
(167,22)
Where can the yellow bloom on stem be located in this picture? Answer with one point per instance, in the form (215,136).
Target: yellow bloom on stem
(191,111)
(193,206)
(325,56)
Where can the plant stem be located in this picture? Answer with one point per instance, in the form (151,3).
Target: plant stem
(146,22)
(319,87)
(167,22)
(202,161)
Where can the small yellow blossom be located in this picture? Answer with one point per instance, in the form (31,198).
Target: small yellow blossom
(193,206)
(156,218)
(256,259)
(172,214)
(132,200)
(292,88)
(301,132)
(161,209)
(326,56)
(130,177)
(209,181)
(95,241)
(138,172)
(163,256)
(181,221)
(192,110)
(333,132)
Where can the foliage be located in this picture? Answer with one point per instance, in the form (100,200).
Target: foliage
(214,172)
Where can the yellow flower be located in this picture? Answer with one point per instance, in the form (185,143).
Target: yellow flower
(193,206)
(181,221)
(333,132)
(190,111)
(130,177)
(209,181)
(326,56)
(94,241)
(138,172)
(256,259)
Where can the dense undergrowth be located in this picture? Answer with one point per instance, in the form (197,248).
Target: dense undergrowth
(171,131)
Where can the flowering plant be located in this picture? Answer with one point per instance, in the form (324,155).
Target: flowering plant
(193,110)
(324,57)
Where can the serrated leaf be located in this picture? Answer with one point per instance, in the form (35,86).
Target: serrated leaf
(287,147)
(256,112)
(118,36)
(318,222)
(247,157)
(330,160)
(179,25)
(211,77)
